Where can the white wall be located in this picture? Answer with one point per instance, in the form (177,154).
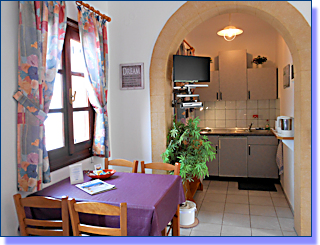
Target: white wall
(286,109)
(133,31)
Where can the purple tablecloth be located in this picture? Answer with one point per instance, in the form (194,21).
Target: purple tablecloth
(152,200)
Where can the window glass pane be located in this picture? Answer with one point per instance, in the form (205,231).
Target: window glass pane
(77,58)
(54,131)
(81,99)
(57,98)
(80,126)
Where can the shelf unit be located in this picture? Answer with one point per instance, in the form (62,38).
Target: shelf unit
(280,137)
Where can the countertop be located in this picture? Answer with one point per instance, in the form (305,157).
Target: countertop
(235,132)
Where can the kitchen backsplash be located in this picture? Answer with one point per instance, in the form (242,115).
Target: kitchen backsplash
(230,114)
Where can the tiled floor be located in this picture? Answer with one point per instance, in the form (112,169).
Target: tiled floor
(224,210)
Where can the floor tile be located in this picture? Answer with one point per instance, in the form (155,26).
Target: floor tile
(259,210)
(206,183)
(234,208)
(235,231)
(286,224)
(204,233)
(237,199)
(280,202)
(236,191)
(264,222)
(239,220)
(210,217)
(264,201)
(212,207)
(233,184)
(207,227)
(215,197)
(276,194)
(215,183)
(259,193)
(289,233)
(283,212)
(264,232)
(279,188)
(221,190)
(185,232)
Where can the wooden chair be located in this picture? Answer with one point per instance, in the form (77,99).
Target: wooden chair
(100,209)
(168,167)
(122,163)
(161,166)
(42,227)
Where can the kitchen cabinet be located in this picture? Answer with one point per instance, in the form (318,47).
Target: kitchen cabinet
(262,83)
(213,165)
(233,75)
(262,152)
(211,92)
(233,156)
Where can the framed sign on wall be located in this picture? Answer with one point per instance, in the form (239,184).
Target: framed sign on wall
(131,76)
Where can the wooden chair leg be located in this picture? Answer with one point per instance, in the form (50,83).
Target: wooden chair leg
(176,223)
(164,232)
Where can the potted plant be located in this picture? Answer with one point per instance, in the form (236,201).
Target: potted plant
(259,60)
(186,145)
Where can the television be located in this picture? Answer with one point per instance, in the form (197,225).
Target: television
(191,68)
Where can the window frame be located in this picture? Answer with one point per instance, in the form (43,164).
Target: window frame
(70,153)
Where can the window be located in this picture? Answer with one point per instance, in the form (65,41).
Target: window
(70,123)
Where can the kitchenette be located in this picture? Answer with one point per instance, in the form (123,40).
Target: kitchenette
(246,113)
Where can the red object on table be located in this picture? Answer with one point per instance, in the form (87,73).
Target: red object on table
(255,116)
(109,173)
(152,200)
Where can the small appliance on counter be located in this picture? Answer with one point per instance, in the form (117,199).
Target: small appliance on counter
(284,126)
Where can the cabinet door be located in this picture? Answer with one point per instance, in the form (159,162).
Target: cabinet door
(262,83)
(233,75)
(213,165)
(233,156)
(211,92)
(262,161)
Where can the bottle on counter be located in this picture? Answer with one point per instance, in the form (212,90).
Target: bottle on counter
(267,125)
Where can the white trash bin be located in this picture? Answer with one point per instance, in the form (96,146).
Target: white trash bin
(188,213)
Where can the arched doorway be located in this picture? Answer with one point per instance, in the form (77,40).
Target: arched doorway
(297,34)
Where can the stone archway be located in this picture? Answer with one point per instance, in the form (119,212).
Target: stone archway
(297,34)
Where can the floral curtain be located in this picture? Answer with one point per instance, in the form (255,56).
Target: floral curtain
(41,34)
(93,36)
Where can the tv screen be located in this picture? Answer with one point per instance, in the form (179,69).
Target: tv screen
(191,68)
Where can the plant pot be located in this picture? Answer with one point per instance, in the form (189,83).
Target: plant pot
(259,65)
(190,188)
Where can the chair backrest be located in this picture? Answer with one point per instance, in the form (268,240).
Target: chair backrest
(161,166)
(100,209)
(122,163)
(30,226)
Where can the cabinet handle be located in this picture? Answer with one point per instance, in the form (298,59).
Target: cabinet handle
(216,149)
(220,95)
(249,94)
(217,96)
(249,149)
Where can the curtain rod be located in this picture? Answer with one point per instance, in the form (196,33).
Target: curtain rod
(107,18)
(191,48)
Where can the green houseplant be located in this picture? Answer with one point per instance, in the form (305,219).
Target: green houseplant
(186,145)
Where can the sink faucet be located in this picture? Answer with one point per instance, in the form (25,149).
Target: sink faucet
(250,127)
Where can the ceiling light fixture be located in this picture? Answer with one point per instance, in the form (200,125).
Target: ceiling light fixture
(230,32)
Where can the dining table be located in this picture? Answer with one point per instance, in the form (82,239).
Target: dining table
(152,201)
